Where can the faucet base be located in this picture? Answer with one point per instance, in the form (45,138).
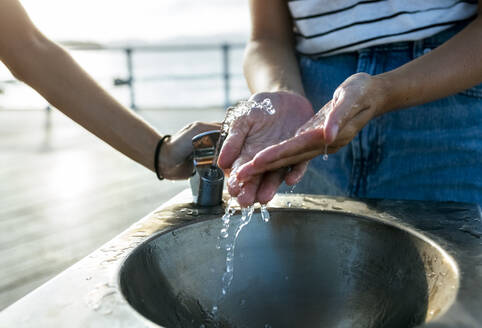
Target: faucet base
(207,186)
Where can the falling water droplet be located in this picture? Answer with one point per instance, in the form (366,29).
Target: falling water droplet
(224,233)
(214,310)
(264,213)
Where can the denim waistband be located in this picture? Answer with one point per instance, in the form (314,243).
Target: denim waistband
(430,42)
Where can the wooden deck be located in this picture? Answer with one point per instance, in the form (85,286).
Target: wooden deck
(63,193)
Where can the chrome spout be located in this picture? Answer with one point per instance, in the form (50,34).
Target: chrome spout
(208,179)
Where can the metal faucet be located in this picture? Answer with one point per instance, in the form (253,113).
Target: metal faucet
(208,179)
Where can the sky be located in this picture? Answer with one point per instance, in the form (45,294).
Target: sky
(151,21)
(127,22)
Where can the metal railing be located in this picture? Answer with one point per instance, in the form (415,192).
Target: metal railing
(225,49)
(129,51)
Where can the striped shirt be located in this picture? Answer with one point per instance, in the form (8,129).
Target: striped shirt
(328,27)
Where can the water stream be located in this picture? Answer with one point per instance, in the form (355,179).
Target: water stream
(231,225)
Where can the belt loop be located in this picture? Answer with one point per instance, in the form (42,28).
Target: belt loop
(364,58)
(417,48)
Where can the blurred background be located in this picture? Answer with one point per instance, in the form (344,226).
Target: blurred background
(63,192)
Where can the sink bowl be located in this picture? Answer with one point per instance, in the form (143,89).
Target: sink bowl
(304,268)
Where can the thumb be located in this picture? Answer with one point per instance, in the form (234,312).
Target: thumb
(336,116)
(232,145)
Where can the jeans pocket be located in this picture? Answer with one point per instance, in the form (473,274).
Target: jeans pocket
(475,92)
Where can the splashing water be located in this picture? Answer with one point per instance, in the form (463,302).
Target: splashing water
(243,108)
(229,233)
(226,220)
(227,239)
(246,215)
(325,156)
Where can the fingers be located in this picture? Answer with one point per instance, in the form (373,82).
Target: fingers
(269,185)
(196,128)
(260,188)
(290,152)
(247,196)
(293,160)
(344,108)
(182,140)
(298,150)
(317,121)
(234,187)
(282,163)
(175,154)
(232,145)
(296,173)
(180,172)
(335,115)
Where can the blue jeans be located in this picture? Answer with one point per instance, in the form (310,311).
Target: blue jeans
(427,152)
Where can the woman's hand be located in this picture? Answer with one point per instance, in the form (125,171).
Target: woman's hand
(355,102)
(175,159)
(251,133)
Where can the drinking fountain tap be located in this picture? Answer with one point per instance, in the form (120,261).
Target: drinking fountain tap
(208,179)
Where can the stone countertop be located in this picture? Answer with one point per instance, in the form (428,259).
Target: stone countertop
(87,294)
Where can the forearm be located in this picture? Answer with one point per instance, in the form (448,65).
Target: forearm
(52,72)
(454,66)
(271,66)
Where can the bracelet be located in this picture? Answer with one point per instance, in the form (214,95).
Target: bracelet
(156,156)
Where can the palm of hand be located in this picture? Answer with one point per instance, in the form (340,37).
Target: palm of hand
(249,134)
(355,102)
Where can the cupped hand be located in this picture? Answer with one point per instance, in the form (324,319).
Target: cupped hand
(355,102)
(253,132)
(175,158)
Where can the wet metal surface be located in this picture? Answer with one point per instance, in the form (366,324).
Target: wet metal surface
(304,269)
(338,262)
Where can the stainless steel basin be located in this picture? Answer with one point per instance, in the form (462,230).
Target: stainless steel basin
(305,268)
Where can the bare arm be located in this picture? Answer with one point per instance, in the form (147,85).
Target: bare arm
(52,72)
(454,66)
(271,70)
(270,64)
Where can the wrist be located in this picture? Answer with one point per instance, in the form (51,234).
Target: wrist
(397,91)
(285,88)
(276,92)
(161,157)
(387,98)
